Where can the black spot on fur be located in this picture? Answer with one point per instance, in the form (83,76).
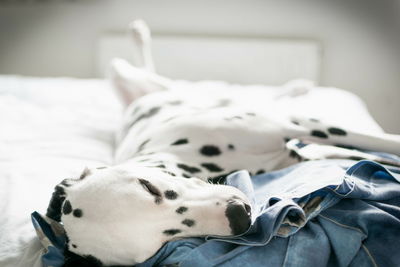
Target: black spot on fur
(143,160)
(337,131)
(238,219)
(210,151)
(250,114)
(314,120)
(212,167)
(74,260)
(171,194)
(220,179)
(146,115)
(188,222)
(153,190)
(141,146)
(77,213)
(355,158)
(67,208)
(231,147)
(56,201)
(261,171)
(318,133)
(186,175)
(181,210)
(67,182)
(100,168)
(295,155)
(168,172)
(188,168)
(170,119)
(172,232)
(162,166)
(74,246)
(182,141)
(85,173)
(295,122)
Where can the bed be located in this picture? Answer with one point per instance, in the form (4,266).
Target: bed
(53,127)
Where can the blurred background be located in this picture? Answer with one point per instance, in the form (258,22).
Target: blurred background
(350,44)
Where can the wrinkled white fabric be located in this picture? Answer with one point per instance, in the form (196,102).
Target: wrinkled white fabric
(50,128)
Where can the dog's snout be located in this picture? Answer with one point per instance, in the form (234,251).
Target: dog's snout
(239,216)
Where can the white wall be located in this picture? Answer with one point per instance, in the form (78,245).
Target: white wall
(359,37)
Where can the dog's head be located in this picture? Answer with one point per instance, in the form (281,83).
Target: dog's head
(113,216)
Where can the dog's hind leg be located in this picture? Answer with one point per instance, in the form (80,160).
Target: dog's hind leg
(133,82)
(322,132)
(141,37)
(304,151)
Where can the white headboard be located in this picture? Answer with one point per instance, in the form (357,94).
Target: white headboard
(246,60)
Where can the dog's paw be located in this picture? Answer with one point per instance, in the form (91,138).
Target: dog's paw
(140,31)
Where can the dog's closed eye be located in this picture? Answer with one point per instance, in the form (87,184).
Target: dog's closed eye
(151,188)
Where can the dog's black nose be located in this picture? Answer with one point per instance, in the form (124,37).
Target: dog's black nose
(239,216)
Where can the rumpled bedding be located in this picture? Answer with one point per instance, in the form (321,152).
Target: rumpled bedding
(53,127)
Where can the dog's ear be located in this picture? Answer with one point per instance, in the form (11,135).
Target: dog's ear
(73,260)
(56,201)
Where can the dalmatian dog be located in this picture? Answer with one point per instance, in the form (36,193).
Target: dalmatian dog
(175,147)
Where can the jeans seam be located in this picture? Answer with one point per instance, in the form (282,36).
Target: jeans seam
(342,225)
(287,250)
(369,255)
(349,178)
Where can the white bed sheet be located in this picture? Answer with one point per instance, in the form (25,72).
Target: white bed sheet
(52,127)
